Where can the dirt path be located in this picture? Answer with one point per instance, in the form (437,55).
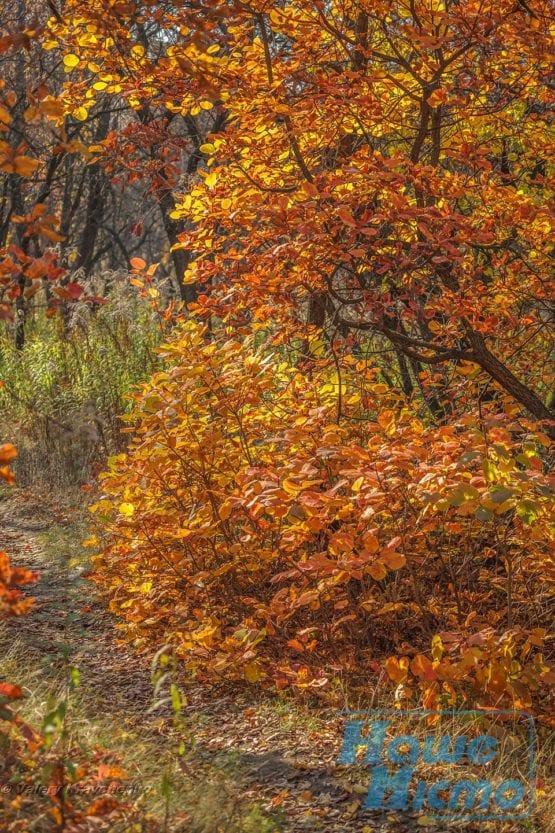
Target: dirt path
(67,622)
(251,765)
(259,752)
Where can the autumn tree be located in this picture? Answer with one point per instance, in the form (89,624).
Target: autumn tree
(342,467)
(157,139)
(388,176)
(382,172)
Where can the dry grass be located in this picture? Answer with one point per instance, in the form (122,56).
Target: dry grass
(64,393)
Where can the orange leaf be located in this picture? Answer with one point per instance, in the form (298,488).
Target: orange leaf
(12,692)
(7,452)
(423,668)
(397,668)
(138,263)
(393,560)
(371,543)
(377,570)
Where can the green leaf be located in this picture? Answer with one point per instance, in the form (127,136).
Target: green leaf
(527,511)
(176,698)
(165,786)
(502,494)
(74,676)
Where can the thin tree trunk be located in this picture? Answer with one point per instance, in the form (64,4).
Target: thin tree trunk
(508,381)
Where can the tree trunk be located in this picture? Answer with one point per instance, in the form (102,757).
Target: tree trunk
(508,381)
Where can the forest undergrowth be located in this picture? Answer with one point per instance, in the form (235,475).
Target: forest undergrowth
(276,415)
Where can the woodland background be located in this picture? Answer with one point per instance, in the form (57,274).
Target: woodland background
(275,297)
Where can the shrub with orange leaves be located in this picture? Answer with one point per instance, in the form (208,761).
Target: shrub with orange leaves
(271,536)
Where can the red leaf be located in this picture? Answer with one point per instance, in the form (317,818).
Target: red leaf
(12,692)
(74,290)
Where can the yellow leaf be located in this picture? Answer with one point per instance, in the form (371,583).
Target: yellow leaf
(126,509)
(71,61)
(80,114)
(189,277)
(211,179)
(252,673)
(437,648)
